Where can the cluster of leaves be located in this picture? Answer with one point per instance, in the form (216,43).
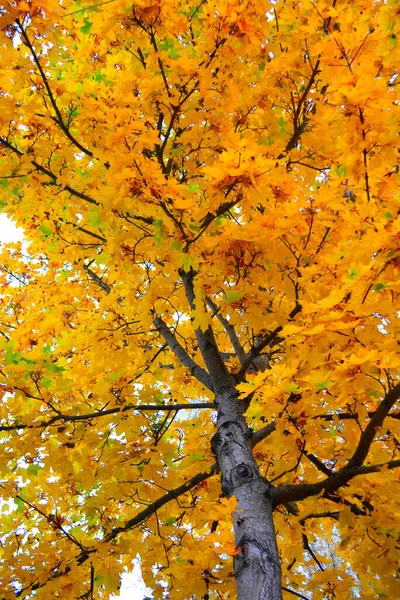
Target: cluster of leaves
(253,145)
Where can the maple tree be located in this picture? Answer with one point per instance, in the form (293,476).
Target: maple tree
(208,294)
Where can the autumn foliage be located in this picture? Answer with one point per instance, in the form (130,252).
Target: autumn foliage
(194,175)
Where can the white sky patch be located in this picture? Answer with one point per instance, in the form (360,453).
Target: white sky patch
(9,232)
(132,586)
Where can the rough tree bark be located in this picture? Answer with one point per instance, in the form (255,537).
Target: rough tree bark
(256,566)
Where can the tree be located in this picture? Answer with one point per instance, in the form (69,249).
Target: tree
(202,330)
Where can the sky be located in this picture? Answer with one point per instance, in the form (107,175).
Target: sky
(132,586)
(8,231)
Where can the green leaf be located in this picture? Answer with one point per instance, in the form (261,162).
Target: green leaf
(352,274)
(196,456)
(87,26)
(20,505)
(159,233)
(379,287)
(94,217)
(46,382)
(45,230)
(170,521)
(168,45)
(114,376)
(194,187)
(10,356)
(323,385)
(53,368)
(282,125)
(340,171)
(176,245)
(34,469)
(232,296)
(291,387)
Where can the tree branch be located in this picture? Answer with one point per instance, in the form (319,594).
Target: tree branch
(197,371)
(262,433)
(331,515)
(98,280)
(295,593)
(256,351)
(58,118)
(368,435)
(110,411)
(346,416)
(150,510)
(230,330)
(210,217)
(219,375)
(50,174)
(293,493)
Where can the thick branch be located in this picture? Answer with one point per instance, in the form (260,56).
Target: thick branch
(197,371)
(230,330)
(347,416)
(293,493)
(368,435)
(150,510)
(207,344)
(256,351)
(262,433)
(331,515)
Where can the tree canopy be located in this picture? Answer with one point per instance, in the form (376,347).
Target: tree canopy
(212,241)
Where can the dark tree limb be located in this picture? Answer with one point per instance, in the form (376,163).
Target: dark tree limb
(150,510)
(58,116)
(328,514)
(377,418)
(256,351)
(293,493)
(98,280)
(66,188)
(197,371)
(212,357)
(230,330)
(285,589)
(307,547)
(110,411)
(210,217)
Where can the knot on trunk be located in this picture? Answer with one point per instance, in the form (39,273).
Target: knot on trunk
(243,473)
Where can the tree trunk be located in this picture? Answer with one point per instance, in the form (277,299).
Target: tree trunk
(257,565)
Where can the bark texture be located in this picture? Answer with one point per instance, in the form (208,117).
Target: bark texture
(256,566)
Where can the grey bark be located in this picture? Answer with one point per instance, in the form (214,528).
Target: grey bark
(257,565)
